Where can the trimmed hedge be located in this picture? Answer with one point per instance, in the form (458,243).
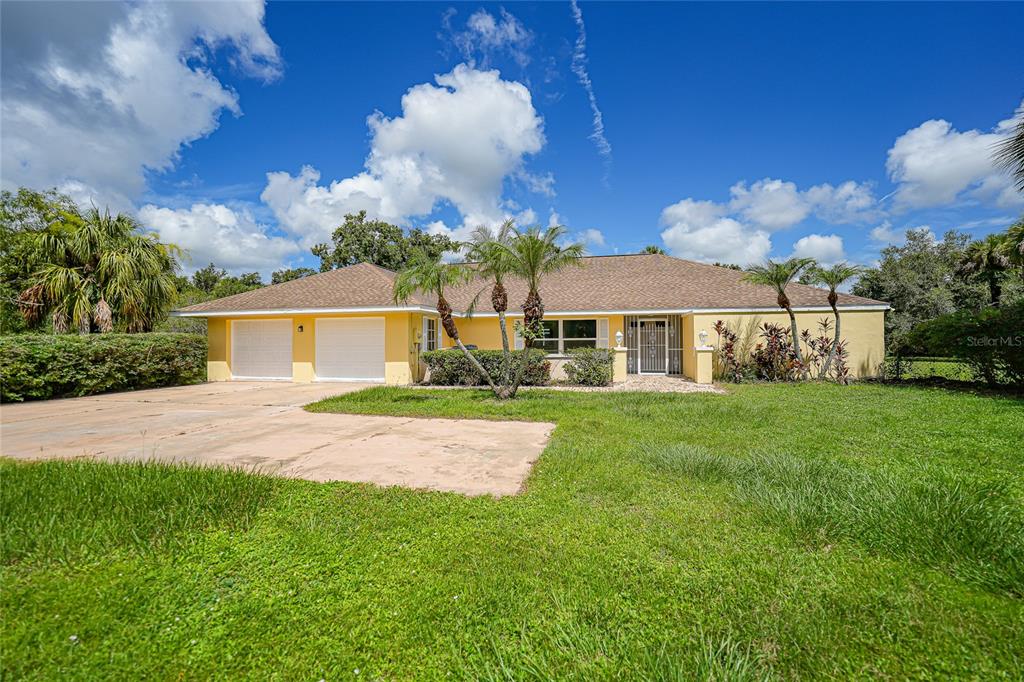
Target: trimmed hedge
(37,367)
(450,367)
(590,366)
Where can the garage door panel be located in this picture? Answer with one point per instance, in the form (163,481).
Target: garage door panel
(261,349)
(350,349)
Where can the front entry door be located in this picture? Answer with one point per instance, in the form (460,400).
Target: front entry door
(653,346)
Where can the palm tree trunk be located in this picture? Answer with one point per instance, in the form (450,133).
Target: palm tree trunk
(834,348)
(995,291)
(796,341)
(524,358)
(444,310)
(499,301)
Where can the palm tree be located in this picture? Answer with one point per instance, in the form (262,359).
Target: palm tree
(986,259)
(433,276)
(1009,153)
(779,276)
(100,271)
(1013,243)
(833,277)
(531,255)
(652,249)
(494,263)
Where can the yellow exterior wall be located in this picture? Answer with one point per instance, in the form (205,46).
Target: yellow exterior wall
(401,357)
(218,360)
(864,331)
(485,332)
(689,355)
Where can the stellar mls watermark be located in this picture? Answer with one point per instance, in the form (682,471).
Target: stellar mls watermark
(996,341)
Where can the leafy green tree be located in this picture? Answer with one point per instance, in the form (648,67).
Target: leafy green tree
(730,266)
(778,276)
(1013,244)
(532,254)
(22,215)
(359,240)
(1009,154)
(230,285)
(99,271)
(921,280)
(434,276)
(986,261)
(205,279)
(651,248)
(833,278)
(288,274)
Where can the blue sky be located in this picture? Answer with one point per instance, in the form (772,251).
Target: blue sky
(731,132)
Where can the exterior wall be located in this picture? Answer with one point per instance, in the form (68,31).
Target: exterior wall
(401,354)
(485,333)
(864,331)
(689,354)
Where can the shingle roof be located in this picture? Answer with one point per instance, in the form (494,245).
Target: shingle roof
(356,286)
(600,283)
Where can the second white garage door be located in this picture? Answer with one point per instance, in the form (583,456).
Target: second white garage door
(350,349)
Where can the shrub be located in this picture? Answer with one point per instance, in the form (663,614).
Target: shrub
(590,366)
(990,342)
(450,367)
(37,367)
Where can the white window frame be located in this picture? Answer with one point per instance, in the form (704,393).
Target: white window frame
(600,339)
(430,339)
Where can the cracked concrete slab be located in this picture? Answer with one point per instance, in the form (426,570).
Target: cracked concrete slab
(262,426)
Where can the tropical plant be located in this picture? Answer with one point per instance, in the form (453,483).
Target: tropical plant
(775,357)
(434,276)
(833,278)
(1009,153)
(288,274)
(652,249)
(986,260)
(359,240)
(532,254)
(778,276)
(1013,244)
(99,271)
(493,262)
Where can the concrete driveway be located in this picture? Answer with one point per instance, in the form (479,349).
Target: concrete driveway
(261,425)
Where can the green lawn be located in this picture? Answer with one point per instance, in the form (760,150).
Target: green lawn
(778,531)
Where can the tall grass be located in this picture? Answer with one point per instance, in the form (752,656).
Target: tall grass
(66,510)
(970,529)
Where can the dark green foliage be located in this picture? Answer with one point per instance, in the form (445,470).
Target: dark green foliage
(36,367)
(288,274)
(590,366)
(970,528)
(167,504)
(451,368)
(205,279)
(990,342)
(359,240)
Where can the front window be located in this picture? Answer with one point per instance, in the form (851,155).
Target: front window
(564,335)
(431,340)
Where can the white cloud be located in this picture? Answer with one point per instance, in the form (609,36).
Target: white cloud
(486,36)
(935,164)
(699,230)
(885,234)
(109,91)
(579,67)
(772,204)
(215,233)
(776,204)
(826,249)
(456,141)
(591,238)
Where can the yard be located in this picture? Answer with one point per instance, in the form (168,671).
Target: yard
(777,531)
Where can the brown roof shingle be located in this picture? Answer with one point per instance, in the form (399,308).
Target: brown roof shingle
(600,283)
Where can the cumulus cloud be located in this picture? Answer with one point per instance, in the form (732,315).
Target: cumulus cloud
(935,164)
(826,249)
(486,36)
(701,231)
(456,141)
(216,233)
(776,204)
(885,234)
(579,67)
(109,91)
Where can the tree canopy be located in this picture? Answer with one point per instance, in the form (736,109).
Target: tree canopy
(359,240)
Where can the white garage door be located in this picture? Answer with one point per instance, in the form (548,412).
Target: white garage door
(261,349)
(350,349)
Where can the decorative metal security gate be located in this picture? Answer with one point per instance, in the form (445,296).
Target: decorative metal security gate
(654,345)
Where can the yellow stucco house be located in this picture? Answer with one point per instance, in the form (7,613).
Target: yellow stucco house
(657,311)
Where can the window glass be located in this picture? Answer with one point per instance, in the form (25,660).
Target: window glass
(580,343)
(579,329)
(431,340)
(550,329)
(547,345)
